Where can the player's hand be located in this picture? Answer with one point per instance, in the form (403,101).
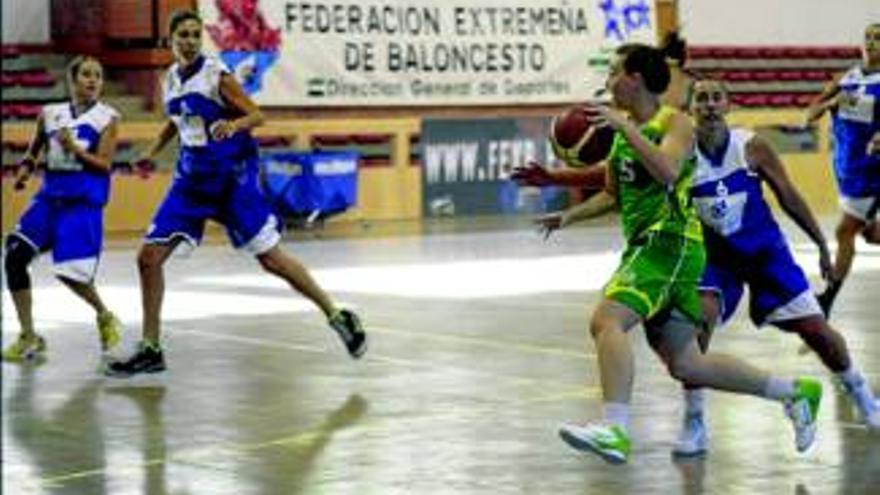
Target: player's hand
(143,166)
(65,138)
(25,168)
(222,129)
(825,266)
(549,223)
(532,174)
(874,144)
(605,116)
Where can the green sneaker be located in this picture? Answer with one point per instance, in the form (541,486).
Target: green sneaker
(611,443)
(108,330)
(25,349)
(803,409)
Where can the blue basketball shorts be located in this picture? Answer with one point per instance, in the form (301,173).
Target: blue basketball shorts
(778,288)
(235,202)
(72,230)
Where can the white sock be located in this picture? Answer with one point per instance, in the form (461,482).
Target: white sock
(779,388)
(856,385)
(616,413)
(851,377)
(694,401)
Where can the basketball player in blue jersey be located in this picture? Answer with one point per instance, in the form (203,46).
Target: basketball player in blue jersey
(746,248)
(216,178)
(66,214)
(854,103)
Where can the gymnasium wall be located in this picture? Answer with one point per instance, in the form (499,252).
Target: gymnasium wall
(394,189)
(776,22)
(26,22)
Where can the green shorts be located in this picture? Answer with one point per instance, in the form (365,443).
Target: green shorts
(660,271)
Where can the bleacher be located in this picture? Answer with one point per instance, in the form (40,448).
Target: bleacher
(30,81)
(773,76)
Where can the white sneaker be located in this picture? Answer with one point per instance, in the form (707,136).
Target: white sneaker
(694,437)
(864,400)
(803,409)
(611,443)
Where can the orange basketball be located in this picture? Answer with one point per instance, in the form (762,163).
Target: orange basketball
(576,141)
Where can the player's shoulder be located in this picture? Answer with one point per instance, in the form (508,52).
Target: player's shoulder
(214,66)
(856,75)
(742,136)
(56,108)
(106,110)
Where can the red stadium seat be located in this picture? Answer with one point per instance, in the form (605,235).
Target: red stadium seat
(370,138)
(37,79)
(773,52)
(699,52)
(781,100)
(272,141)
(330,140)
(10,51)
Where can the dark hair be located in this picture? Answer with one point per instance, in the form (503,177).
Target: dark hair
(76,63)
(178,17)
(674,47)
(648,62)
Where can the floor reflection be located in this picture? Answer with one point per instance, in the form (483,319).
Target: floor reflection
(60,441)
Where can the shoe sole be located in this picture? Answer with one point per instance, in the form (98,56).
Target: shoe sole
(123,374)
(684,454)
(360,351)
(581,445)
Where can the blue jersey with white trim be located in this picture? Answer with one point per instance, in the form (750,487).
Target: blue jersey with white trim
(730,200)
(66,177)
(854,121)
(194,104)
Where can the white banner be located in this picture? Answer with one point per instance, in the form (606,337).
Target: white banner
(422,52)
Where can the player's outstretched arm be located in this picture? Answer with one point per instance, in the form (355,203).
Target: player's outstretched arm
(826,100)
(763,159)
(29,162)
(536,174)
(597,205)
(168,132)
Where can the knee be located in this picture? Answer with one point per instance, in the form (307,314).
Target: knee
(847,231)
(597,327)
(149,260)
(685,369)
(19,255)
(871,233)
(269,262)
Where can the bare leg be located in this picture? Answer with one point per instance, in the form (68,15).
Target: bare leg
(871,233)
(675,342)
(151,259)
(281,264)
(23,302)
(608,326)
(847,230)
(87,293)
(827,343)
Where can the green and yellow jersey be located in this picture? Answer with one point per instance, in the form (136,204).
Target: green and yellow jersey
(647,205)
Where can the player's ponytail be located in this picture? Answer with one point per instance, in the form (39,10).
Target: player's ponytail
(674,48)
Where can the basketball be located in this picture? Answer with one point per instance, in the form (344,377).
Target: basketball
(576,141)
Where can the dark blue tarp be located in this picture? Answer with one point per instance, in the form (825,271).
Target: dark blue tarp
(314,184)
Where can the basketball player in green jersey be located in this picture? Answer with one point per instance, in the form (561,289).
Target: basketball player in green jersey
(650,170)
